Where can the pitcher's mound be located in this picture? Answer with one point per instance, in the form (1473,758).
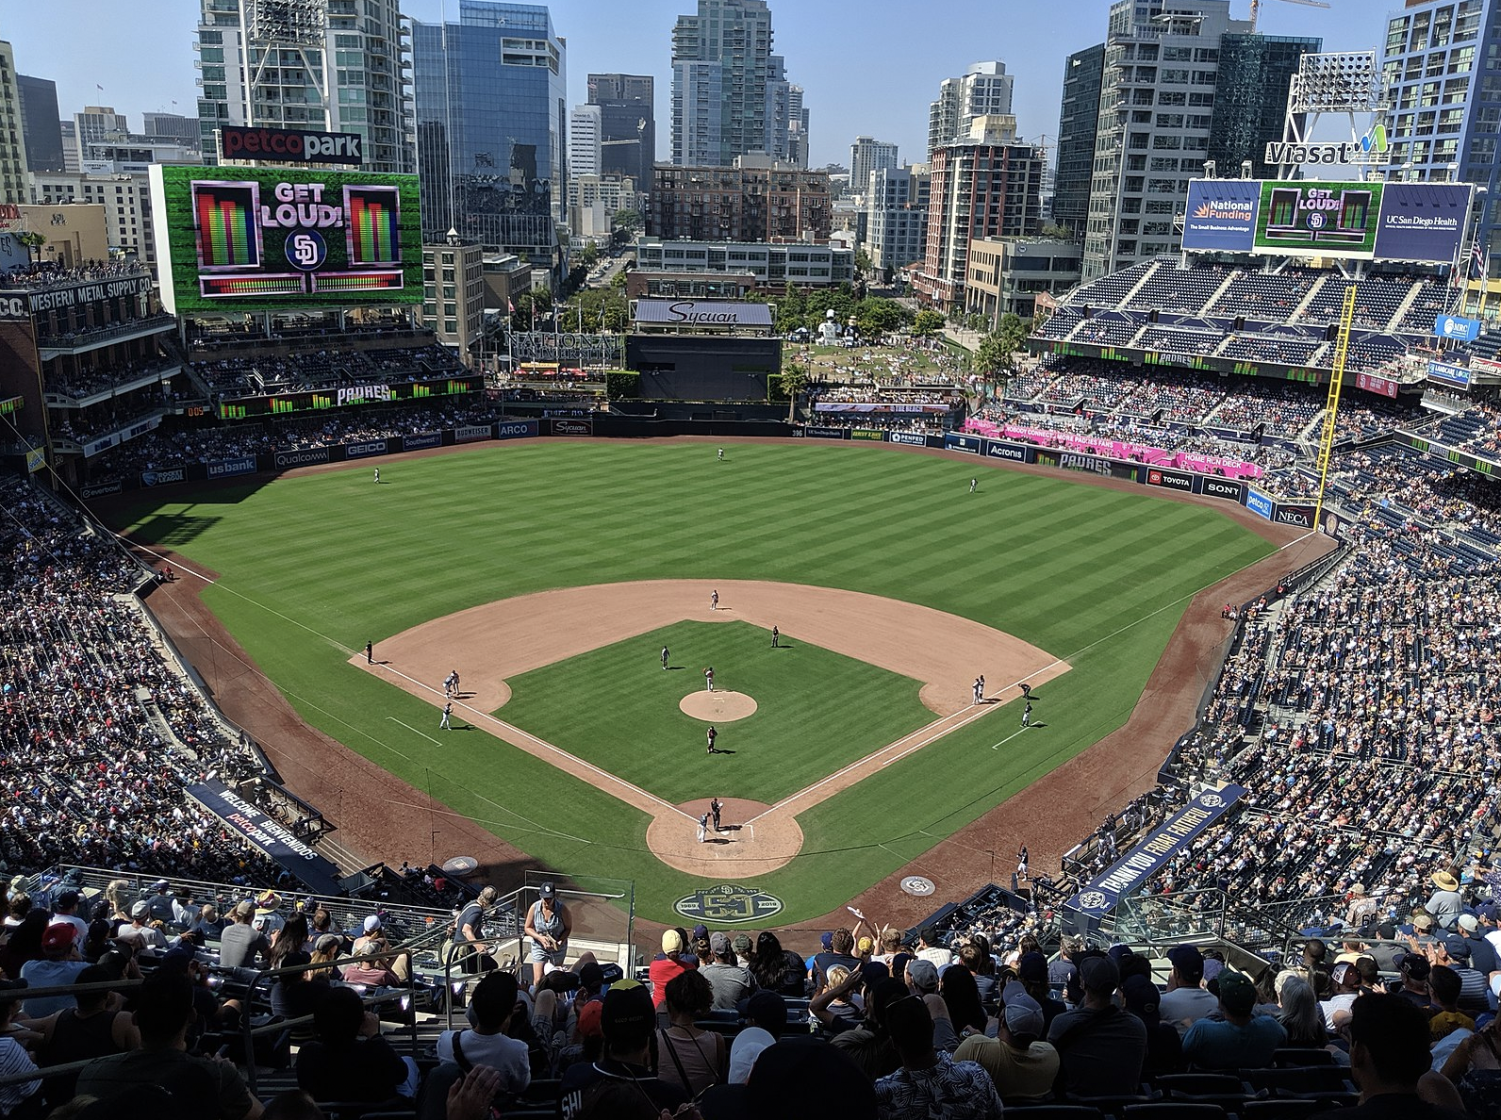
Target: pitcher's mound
(718,707)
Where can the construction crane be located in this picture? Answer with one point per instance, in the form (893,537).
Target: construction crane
(1256,7)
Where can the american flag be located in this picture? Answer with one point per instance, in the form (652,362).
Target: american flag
(1477,260)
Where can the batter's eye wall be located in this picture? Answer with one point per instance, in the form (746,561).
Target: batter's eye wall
(703,368)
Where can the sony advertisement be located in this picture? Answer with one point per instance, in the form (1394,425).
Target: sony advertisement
(254,239)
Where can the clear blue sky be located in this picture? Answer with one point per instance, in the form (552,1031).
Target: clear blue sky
(869,67)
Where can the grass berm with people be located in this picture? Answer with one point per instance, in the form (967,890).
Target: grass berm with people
(309,567)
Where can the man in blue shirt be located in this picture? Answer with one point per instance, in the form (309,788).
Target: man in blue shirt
(1243,1040)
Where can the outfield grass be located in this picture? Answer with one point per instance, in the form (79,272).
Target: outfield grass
(311,567)
(817,711)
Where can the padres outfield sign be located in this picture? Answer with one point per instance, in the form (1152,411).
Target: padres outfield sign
(728,903)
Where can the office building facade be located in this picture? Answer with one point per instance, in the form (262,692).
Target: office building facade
(896,207)
(491,112)
(1078,123)
(1439,64)
(125,196)
(775,202)
(1250,98)
(984,90)
(628,124)
(585,128)
(14,185)
(1156,108)
(1006,275)
(312,64)
(40,126)
(773,266)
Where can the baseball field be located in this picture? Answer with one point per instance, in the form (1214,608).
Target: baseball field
(551,575)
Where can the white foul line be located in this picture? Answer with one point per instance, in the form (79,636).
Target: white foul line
(414,731)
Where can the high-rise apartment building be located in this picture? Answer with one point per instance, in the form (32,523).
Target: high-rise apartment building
(69,132)
(987,185)
(1157,99)
(585,129)
(984,90)
(14,186)
(41,128)
(868,155)
(1077,125)
(896,207)
(315,64)
(757,200)
(730,94)
(1250,98)
(628,124)
(1445,119)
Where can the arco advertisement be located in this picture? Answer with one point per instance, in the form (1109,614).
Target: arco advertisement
(254,239)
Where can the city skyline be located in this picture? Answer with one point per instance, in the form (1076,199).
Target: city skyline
(847,67)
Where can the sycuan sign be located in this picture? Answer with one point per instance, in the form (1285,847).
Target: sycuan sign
(701,313)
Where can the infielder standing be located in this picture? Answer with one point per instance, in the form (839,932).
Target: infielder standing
(712,736)
(709,679)
(1027,715)
(714,809)
(369,653)
(443,724)
(776,636)
(714,600)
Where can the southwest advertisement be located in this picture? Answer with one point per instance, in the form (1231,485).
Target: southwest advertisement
(252,239)
(1365,221)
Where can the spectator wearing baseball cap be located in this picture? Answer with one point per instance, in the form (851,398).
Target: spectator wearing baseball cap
(1018,1060)
(1186,1001)
(1482,952)
(1101,1049)
(60,963)
(1243,1039)
(627,1020)
(667,964)
(1032,971)
(1164,1047)
(731,981)
(741,943)
(1347,980)
(922,981)
(1414,968)
(930,1082)
(929,949)
(1453,950)
(240,944)
(65,909)
(139,932)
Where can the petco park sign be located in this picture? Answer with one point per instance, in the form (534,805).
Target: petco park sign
(290,145)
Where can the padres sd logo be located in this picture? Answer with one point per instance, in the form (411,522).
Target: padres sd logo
(728,903)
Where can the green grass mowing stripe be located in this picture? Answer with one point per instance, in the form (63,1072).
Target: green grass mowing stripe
(546,515)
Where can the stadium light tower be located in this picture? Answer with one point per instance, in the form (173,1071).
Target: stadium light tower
(1346,82)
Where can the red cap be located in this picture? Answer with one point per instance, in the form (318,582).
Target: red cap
(59,936)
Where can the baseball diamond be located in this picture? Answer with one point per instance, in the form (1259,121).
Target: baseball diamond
(536,556)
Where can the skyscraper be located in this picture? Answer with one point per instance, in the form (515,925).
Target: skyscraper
(984,90)
(1250,98)
(867,155)
(1158,92)
(42,130)
(13,184)
(628,124)
(1077,124)
(319,64)
(585,135)
(492,124)
(1445,119)
(896,206)
(727,86)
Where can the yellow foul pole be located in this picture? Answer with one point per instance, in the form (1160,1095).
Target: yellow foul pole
(1336,382)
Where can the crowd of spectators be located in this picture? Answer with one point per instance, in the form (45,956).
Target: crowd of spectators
(232,374)
(54,274)
(89,775)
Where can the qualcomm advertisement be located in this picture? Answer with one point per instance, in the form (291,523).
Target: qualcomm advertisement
(1365,221)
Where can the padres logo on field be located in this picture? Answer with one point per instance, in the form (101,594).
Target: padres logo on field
(728,903)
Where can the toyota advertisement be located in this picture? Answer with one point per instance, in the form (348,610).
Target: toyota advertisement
(1357,220)
(255,239)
